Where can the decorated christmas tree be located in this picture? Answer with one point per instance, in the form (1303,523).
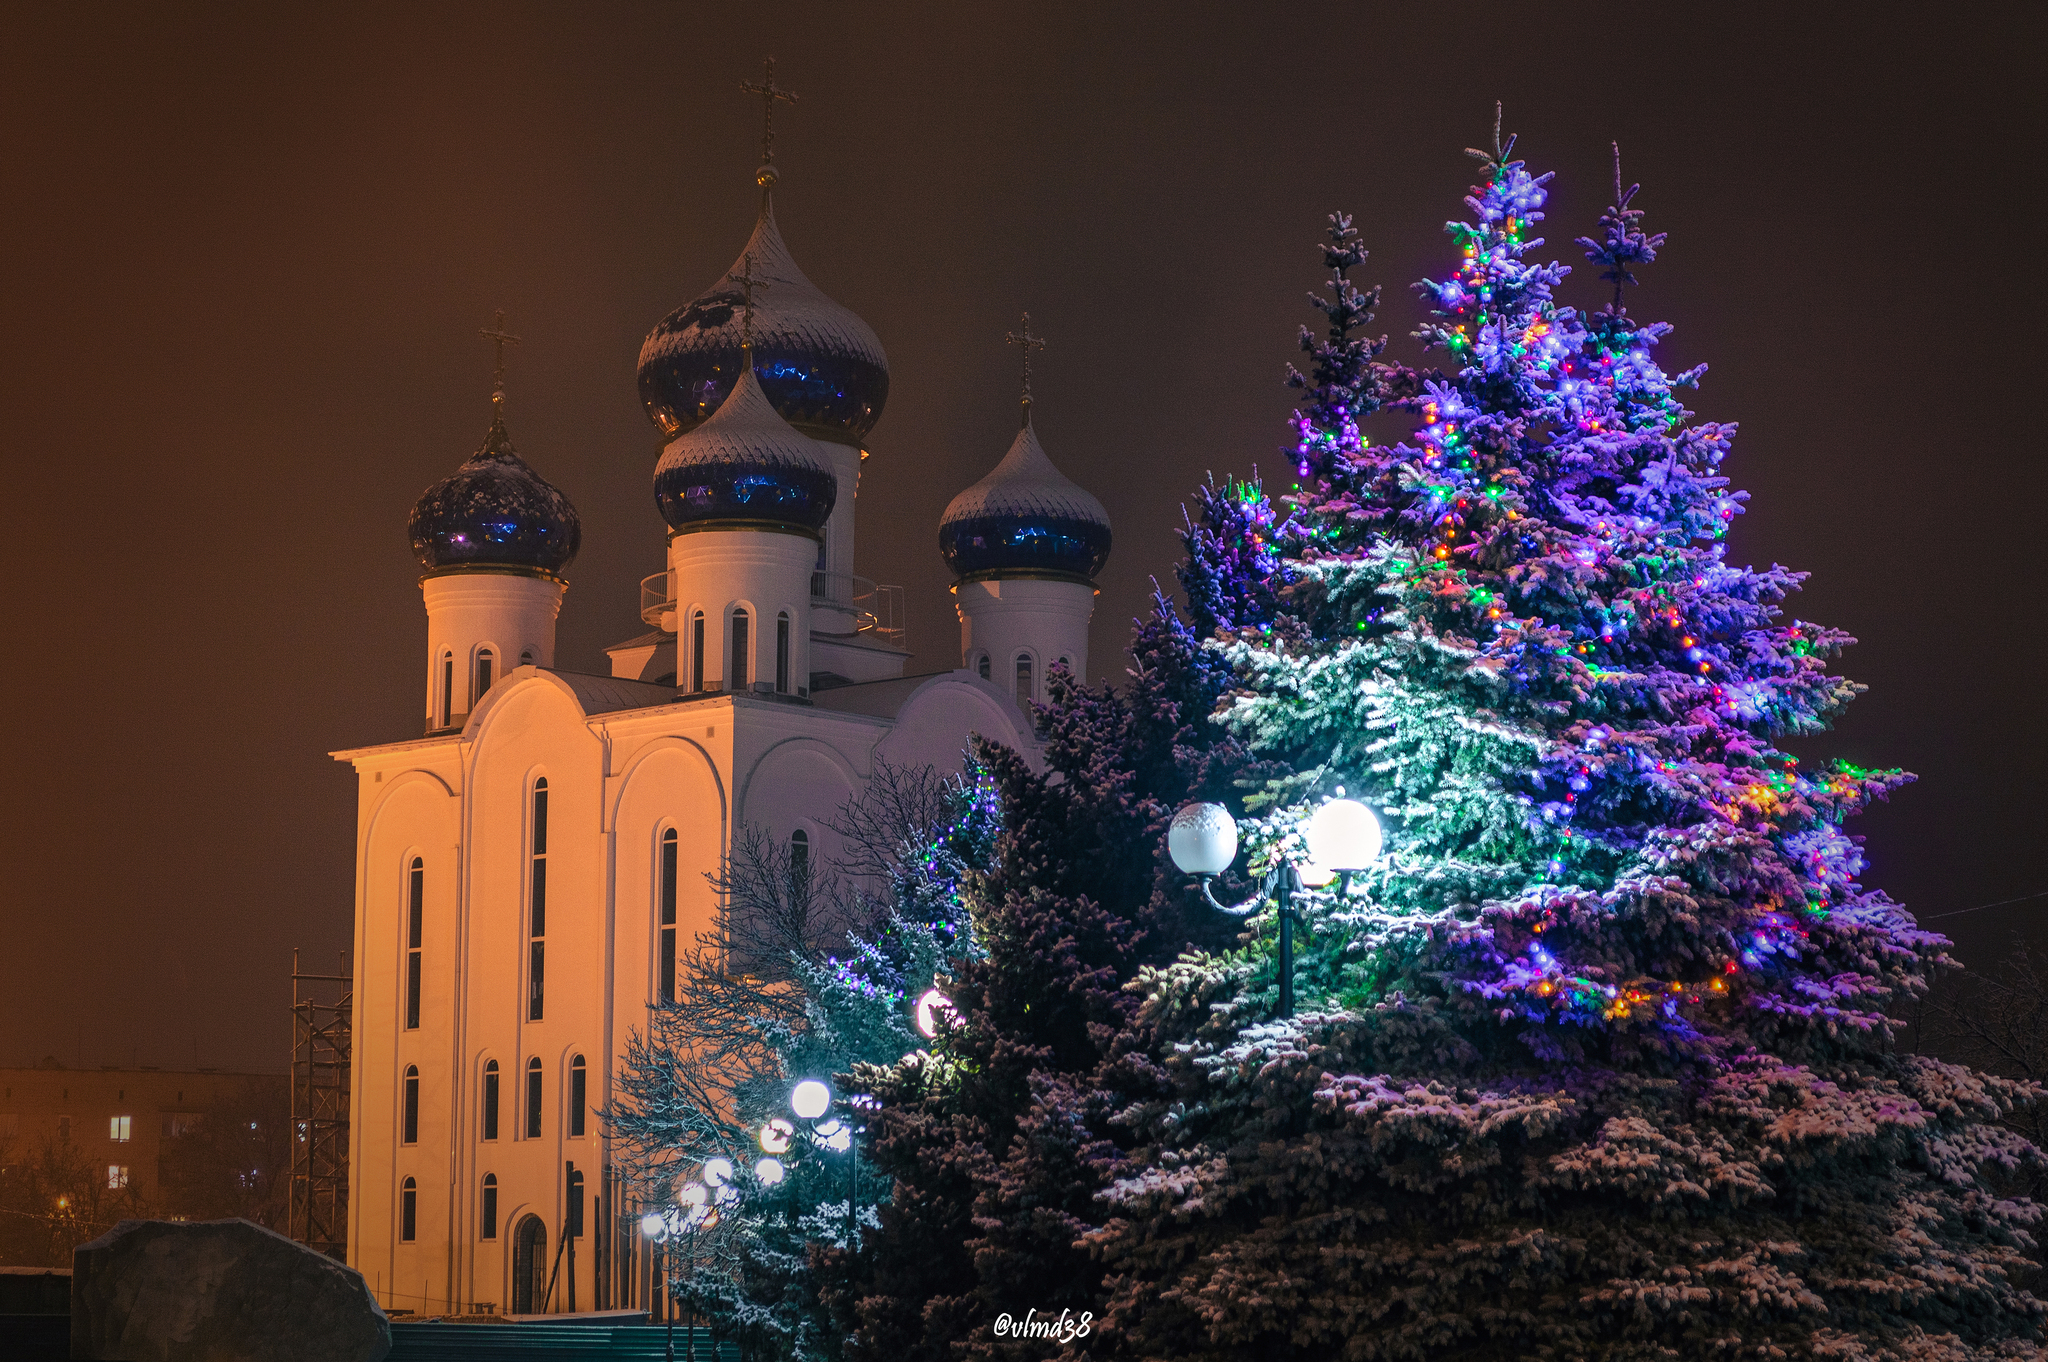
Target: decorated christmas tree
(1596,1061)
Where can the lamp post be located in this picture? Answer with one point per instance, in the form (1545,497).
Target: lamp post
(1342,835)
(809,1101)
(663,1226)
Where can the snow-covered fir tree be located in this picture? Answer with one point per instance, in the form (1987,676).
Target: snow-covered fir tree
(1596,1064)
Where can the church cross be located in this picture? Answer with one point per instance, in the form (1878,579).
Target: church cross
(1026,342)
(500,338)
(769,92)
(748,283)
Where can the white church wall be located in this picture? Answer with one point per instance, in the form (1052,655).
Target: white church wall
(935,723)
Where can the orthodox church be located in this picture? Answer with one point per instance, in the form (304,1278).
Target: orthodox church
(530,867)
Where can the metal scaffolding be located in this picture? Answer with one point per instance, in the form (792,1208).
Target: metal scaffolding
(320,1082)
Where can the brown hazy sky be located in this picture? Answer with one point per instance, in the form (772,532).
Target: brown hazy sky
(246,253)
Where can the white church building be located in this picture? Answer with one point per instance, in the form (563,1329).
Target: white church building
(528,870)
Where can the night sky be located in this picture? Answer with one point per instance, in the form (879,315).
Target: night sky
(247,255)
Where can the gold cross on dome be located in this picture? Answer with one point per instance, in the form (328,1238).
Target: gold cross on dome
(769,92)
(499,337)
(1027,342)
(748,283)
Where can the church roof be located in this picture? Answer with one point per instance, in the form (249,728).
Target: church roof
(746,465)
(1025,517)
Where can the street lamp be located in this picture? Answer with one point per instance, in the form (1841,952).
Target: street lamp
(810,1100)
(662,1227)
(1342,835)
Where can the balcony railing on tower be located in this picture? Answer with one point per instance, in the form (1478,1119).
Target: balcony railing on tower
(872,610)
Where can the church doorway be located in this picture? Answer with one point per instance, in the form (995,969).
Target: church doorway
(529,1266)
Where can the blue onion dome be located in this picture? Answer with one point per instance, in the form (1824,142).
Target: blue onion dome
(745,468)
(494,512)
(821,366)
(1025,519)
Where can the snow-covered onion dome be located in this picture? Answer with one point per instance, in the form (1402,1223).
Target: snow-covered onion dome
(745,468)
(1025,519)
(495,512)
(820,365)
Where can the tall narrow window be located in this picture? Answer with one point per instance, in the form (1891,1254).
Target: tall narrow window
(117,1176)
(668,916)
(409,1132)
(120,1128)
(697,651)
(415,903)
(579,1095)
(800,856)
(483,675)
(576,1204)
(408,1211)
(782,653)
(736,668)
(447,689)
(982,666)
(1023,677)
(487,1211)
(526,658)
(533,1098)
(490,1099)
(537,953)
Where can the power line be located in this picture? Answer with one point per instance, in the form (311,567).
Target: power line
(2024,898)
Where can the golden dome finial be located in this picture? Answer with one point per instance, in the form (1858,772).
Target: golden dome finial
(748,283)
(769,92)
(500,338)
(1028,343)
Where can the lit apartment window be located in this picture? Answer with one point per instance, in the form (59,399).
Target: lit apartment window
(782,653)
(415,904)
(120,1128)
(490,1099)
(410,1129)
(1023,677)
(533,1098)
(117,1176)
(668,916)
(408,1210)
(489,1210)
(736,662)
(536,972)
(697,651)
(579,1095)
(484,662)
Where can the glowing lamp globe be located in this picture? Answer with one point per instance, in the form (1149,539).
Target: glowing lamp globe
(1203,839)
(717,1171)
(841,1140)
(769,1171)
(694,1194)
(810,1099)
(1343,835)
(652,1224)
(934,1010)
(775,1136)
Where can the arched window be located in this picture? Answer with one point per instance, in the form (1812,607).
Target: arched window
(415,905)
(697,652)
(1023,677)
(408,1211)
(575,1203)
(579,1096)
(667,966)
(1067,662)
(983,667)
(490,1102)
(537,952)
(533,1098)
(782,653)
(487,1210)
(447,689)
(800,856)
(409,1129)
(526,658)
(484,661)
(736,668)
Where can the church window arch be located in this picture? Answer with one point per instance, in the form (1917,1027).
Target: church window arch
(447,715)
(486,662)
(409,1121)
(487,1209)
(696,651)
(533,1092)
(782,653)
(526,658)
(800,857)
(537,904)
(575,1203)
(981,665)
(738,670)
(665,906)
(415,915)
(490,1100)
(408,1211)
(1025,689)
(579,1095)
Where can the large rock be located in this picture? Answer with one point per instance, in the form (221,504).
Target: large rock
(218,1291)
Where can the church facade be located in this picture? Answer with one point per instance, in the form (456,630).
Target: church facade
(529,869)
